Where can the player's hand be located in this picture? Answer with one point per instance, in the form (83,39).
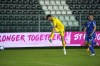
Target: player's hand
(84,33)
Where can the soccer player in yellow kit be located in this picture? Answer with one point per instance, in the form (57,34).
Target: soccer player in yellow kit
(57,27)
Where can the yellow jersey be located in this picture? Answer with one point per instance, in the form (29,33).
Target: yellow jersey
(57,23)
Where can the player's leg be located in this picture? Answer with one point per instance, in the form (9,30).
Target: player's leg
(87,48)
(91,47)
(86,43)
(52,34)
(95,43)
(92,50)
(63,41)
(92,41)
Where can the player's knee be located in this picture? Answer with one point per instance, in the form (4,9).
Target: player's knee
(85,43)
(89,45)
(62,38)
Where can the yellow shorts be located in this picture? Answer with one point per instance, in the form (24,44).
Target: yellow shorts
(61,31)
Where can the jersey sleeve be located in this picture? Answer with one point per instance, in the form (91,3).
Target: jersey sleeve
(94,23)
(54,23)
(85,24)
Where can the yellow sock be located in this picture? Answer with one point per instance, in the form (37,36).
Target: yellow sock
(63,42)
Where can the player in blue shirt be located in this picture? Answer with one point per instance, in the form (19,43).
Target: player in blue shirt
(90,28)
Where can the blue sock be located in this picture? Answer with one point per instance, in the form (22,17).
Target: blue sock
(91,49)
(93,43)
(92,46)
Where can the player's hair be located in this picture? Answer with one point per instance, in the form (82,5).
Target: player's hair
(91,15)
(48,16)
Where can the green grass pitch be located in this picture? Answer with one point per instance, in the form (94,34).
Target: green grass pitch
(48,57)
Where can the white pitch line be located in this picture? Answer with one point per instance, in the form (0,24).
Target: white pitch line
(44,63)
(52,64)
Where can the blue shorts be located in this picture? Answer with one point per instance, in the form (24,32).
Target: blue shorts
(90,39)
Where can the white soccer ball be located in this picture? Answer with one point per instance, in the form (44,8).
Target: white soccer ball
(1,47)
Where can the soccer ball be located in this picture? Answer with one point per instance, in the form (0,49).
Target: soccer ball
(1,47)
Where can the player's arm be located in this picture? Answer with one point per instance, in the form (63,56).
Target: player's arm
(94,29)
(94,24)
(54,26)
(85,27)
(53,29)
